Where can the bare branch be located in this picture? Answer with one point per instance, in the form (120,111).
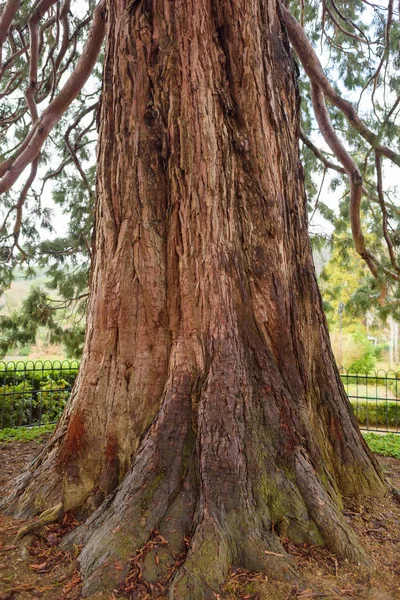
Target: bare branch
(57,107)
(319,196)
(313,68)
(72,149)
(351,168)
(356,186)
(385,220)
(341,28)
(17,53)
(347,20)
(22,198)
(319,154)
(375,76)
(42,8)
(6,18)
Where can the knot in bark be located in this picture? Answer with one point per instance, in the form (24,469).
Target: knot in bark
(151,115)
(241,144)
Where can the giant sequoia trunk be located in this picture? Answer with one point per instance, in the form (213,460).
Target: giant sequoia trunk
(208,405)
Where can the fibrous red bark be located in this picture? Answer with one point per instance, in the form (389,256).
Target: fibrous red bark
(208,405)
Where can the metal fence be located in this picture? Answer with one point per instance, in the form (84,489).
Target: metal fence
(375,398)
(34,393)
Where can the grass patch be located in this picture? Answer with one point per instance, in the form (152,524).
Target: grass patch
(25,434)
(387,444)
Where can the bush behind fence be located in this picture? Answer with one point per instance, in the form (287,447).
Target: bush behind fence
(35,393)
(375,398)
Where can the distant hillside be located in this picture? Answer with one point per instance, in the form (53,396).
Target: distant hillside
(12,300)
(19,290)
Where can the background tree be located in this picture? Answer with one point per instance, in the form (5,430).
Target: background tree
(208,409)
(65,169)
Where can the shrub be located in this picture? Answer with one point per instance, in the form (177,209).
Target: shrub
(394,385)
(355,350)
(52,398)
(365,351)
(14,373)
(16,404)
(379,413)
(34,393)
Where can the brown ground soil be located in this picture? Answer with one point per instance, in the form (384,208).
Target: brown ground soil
(40,569)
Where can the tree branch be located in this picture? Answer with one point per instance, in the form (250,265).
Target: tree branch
(6,18)
(385,220)
(57,107)
(313,68)
(39,12)
(319,154)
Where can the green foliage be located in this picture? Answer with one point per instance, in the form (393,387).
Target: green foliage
(345,278)
(25,351)
(22,404)
(354,350)
(365,353)
(351,65)
(34,395)
(380,413)
(387,444)
(13,373)
(64,320)
(25,434)
(17,402)
(59,304)
(394,385)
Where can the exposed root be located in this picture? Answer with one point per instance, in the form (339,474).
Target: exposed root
(134,525)
(200,570)
(264,553)
(207,564)
(175,529)
(191,507)
(323,509)
(396,494)
(48,516)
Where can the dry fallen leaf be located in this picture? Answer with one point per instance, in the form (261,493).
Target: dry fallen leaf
(40,567)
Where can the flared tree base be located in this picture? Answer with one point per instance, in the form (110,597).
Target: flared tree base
(222,490)
(233,464)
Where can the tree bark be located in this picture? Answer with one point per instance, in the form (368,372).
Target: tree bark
(208,406)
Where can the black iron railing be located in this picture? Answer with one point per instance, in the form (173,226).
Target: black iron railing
(34,393)
(375,398)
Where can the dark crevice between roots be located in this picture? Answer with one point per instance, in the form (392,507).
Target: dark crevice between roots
(153,567)
(159,491)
